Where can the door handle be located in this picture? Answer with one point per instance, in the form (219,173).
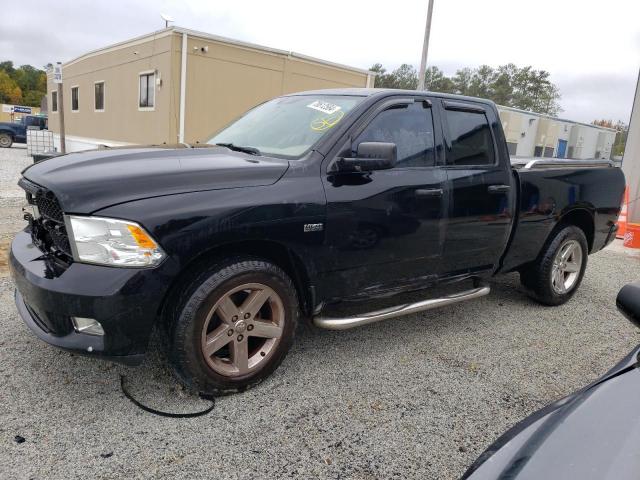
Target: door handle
(429,192)
(499,188)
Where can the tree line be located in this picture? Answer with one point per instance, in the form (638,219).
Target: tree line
(24,85)
(509,85)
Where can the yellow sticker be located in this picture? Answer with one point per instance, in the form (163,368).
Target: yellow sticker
(325,123)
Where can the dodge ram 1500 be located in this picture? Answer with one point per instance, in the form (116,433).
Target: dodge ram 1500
(304,202)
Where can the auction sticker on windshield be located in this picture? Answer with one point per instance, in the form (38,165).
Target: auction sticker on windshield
(324,107)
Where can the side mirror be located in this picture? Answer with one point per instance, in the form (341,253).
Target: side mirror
(370,156)
(628,302)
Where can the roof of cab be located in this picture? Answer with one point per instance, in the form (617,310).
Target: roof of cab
(381,92)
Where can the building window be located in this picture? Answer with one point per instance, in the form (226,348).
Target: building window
(99,96)
(54,101)
(513,147)
(147,90)
(74,99)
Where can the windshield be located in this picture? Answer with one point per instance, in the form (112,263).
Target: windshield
(286,126)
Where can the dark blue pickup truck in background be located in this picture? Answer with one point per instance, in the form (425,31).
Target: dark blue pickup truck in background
(17,131)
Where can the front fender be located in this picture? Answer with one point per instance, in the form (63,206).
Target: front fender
(187,225)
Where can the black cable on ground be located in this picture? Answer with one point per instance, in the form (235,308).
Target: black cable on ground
(203,396)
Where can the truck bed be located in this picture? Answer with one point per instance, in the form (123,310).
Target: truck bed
(549,189)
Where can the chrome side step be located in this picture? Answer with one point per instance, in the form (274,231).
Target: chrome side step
(397,311)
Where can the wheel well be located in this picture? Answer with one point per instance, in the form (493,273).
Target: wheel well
(8,132)
(582,219)
(274,252)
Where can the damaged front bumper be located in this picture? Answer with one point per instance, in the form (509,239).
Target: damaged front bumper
(124,300)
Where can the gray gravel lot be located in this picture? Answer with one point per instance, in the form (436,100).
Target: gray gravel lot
(418,397)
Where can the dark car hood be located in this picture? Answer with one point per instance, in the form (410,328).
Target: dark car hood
(89,181)
(593,434)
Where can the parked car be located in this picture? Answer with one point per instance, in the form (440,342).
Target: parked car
(305,201)
(11,132)
(591,434)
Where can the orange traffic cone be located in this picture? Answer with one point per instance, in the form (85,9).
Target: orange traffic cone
(632,236)
(622,219)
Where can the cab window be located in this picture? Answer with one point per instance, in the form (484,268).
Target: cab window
(410,127)
(471,140)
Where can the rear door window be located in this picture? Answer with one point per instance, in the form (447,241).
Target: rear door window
(471,140)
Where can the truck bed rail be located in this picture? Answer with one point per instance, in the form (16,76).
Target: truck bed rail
(542,163)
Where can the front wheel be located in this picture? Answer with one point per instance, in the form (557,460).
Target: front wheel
(557,273)
(5,140)
(232,326)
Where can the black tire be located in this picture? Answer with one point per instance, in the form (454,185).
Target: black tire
(6,140)
(188,318)
(537,278)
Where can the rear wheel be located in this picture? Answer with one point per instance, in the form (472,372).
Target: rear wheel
(557,273)
(233,326)
(5,140)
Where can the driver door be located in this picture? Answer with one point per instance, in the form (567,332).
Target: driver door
(384,227)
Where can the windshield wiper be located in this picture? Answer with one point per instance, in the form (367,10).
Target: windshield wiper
(240,148)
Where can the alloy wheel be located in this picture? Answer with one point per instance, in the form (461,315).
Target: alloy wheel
(566,267)
(242,330)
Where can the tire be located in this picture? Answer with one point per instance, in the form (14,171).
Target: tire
(552,280)
(220,340)
(5,140)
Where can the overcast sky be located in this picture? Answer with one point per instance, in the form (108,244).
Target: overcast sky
(590,47)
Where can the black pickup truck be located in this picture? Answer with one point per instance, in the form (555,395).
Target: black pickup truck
(306,201)
(16,132)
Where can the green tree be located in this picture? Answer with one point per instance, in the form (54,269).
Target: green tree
(32,98)
(25,84)
(9,90)
(503,84)
(481,82)
(403,77)
(7,66)
(462,81)
(27,77)
(381,75)
(509,85)
(436,81)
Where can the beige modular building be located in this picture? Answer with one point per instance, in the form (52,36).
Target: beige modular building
(532,134)
(177,85)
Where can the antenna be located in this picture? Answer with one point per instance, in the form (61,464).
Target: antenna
(167,19)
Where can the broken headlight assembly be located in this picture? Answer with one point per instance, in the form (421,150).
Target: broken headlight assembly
(112,242)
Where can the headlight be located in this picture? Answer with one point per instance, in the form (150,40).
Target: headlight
(107,241)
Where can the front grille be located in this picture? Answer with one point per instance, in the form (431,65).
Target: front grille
(53,221)
(48,206)
(48,231)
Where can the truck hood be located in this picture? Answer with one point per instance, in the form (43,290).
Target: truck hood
(593,433)
(89,181)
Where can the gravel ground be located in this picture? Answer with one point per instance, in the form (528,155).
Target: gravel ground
(419,397)
(12,161)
